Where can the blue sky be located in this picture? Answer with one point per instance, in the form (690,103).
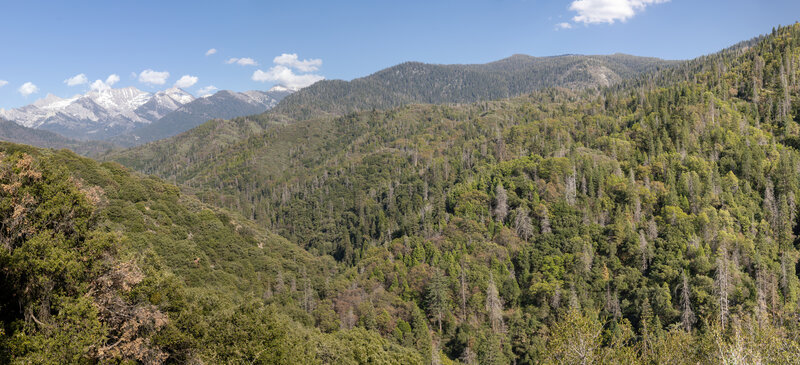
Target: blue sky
(43,44)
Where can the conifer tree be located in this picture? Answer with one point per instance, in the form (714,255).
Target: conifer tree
(494,307)
(687,315)
(522,224)
(501,203)
(438,297)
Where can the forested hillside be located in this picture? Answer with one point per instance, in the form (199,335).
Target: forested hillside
(415,82)
(13,132)
(404,84)
(100,265)
(652,222)
(223,104)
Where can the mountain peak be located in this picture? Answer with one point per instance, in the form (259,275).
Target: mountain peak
(47,101)
(119,100)
(99,112)
(173,90)
(177,94)
(223,104)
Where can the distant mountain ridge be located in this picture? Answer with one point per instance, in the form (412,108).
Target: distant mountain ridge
(416,82)
(407,83)
(98,114)
(13,132)
(223,104)
(129,116)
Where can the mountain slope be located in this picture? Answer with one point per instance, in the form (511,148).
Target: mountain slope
(103,265)
(640,224)
(223,104)
(129,117)
(410,82)
(163,103)
(13,132)
(99,113)
(414,82)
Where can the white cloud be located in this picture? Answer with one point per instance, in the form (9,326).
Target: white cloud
(99,85)
(206,91)
(246,61)
(76,80)
(186,81)
(285,76)
(3,83)
(112,79)
(608,11)
(153,77)
(292,61)
(28,88)
(563,25)
(211,51)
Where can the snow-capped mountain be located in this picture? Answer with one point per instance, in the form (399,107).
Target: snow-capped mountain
(163,103)
(129,116)
(119,101)
(223,104)
(98,114)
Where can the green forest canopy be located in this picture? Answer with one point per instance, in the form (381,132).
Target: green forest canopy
(646,223)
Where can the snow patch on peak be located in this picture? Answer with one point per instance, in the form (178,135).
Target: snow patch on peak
(98,111)
(177,94)
(119,100)
(102,113)
(46,101)
(163,103)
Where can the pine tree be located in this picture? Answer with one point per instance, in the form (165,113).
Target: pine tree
(435,354)
(644,251)
(645,322)
(468,357)
(770,207)
(571,188)
(544,219)
(612,303)
(687,315)
(422,335)
(308,292)
(494,307)
(576,339)
(761,297)
(501,203)
(652,229)
(785,275)
(522,224)
(280,286)
(492,351)
(722,285)
(438,297)
(463,289)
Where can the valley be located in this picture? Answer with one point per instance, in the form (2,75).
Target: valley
(533,210)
